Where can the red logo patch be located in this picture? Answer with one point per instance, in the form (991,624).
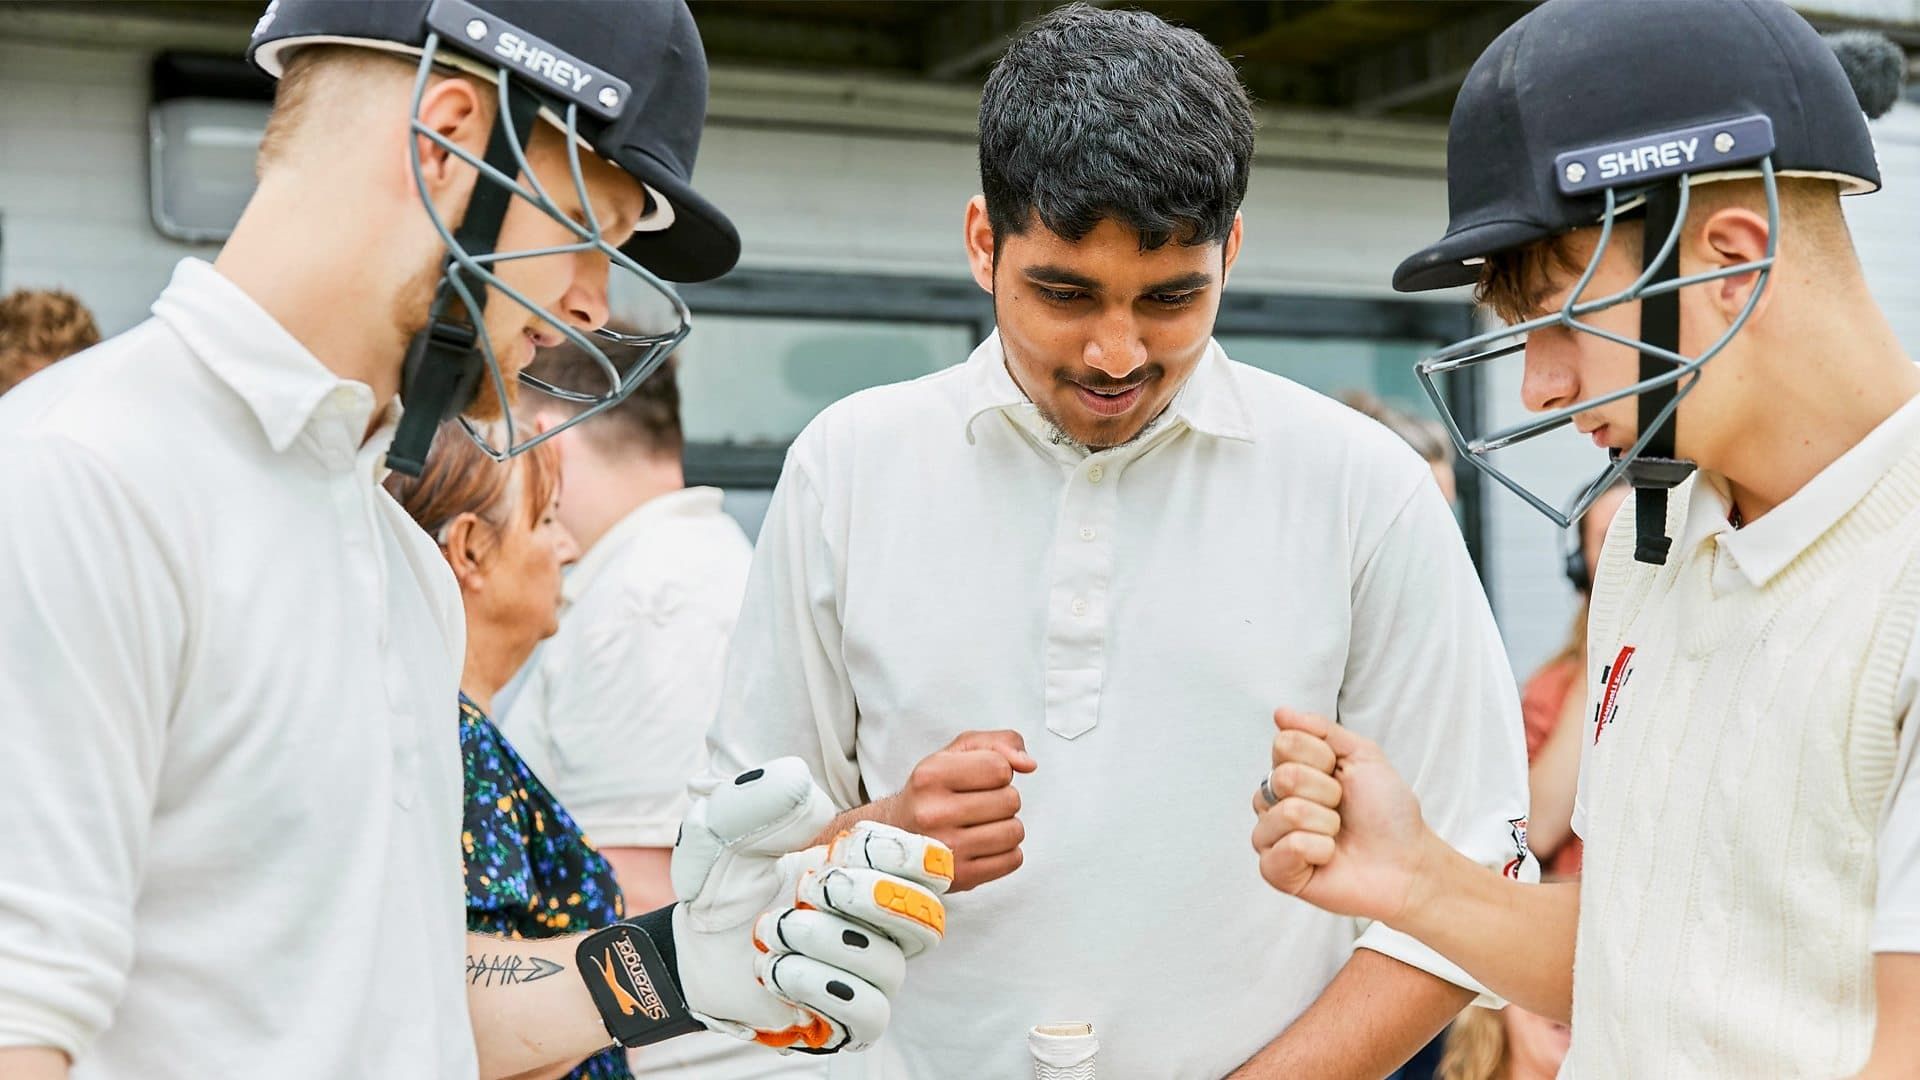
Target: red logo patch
(1615,677)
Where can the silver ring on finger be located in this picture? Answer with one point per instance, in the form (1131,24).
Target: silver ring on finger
(1266,791)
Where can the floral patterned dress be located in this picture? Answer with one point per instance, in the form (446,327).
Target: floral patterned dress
(531,872)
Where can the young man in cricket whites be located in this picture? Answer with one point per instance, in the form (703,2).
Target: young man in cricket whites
(1650,193)
(232,779)
(1042,604)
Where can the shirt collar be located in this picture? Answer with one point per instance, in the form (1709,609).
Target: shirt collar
(1208,403)
(281,382)
(1765,547)
(693,502)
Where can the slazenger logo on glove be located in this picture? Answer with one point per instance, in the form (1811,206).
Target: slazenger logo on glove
(648,999)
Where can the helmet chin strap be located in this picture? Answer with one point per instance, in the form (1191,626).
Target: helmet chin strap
(446,359)
(1656,471)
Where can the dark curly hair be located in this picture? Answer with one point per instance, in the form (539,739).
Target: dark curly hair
(1096,114)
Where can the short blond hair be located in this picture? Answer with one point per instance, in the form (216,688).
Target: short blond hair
(318,76)
(1476,1047)
(38,327)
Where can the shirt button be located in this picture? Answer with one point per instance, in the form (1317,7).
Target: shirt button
(1079,607)
(1095,474)
(1086,534)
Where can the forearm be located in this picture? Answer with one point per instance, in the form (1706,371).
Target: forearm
(1896,1035)
(1370,1019)
(33,1063)
(880,810)
(529,1006)
(1516,939)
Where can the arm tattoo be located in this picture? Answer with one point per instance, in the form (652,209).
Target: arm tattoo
(507,970)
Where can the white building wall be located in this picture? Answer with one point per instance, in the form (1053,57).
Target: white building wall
(1886,223)
(848,192)
(73,179)
(858,176)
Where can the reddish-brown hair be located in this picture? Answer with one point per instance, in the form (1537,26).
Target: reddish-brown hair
(1514,283)
(461,479)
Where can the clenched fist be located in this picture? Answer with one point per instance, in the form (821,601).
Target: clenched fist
(1338,827)
(963,796)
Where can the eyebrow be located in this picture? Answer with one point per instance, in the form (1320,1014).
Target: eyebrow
(1060,275)
(1187,282)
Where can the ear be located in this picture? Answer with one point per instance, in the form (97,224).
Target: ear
(461,540)
(979,242)
(1731,236)
(1232,253)
(451,108)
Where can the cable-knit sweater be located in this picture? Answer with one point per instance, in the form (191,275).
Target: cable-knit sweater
(1740,744)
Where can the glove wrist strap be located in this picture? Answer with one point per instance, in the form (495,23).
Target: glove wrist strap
(630,969)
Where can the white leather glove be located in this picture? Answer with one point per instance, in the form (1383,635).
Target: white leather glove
(799,950)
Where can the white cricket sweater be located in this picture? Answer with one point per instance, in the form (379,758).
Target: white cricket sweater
(1741,742)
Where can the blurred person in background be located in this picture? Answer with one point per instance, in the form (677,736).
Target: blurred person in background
(643,633)
(1503,1044)
(640,653)
(1427,437)
(39,327)
(530,871)
(1554,699)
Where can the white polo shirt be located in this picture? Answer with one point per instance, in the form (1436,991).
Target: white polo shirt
(932,562)
(614,714)
(231,778)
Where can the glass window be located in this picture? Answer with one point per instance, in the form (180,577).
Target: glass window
(749,380)
(1335,365)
